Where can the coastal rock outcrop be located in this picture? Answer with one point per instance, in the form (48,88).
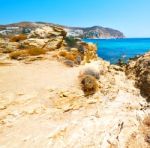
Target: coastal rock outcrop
(139,69)
(47,37)
(47,32)
(70,50)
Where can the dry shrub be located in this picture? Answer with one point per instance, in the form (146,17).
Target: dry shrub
(17,54)
(18,38)
(90,52)
(67,55)
(89,85)
(63,53)
(71,41)
(91,72)
(70,56)
(26,52)
(36,51)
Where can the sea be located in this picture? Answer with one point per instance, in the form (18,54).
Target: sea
(114,49)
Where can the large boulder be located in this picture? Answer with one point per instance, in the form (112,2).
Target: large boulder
(49,38)
(139,69)
(47,32)
(54,43)
(33,42)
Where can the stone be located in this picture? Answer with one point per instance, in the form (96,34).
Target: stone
(49,38)
(139,69)
(54,43)
(33,42)
(47,32)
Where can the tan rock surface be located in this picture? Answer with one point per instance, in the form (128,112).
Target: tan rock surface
(42,105)
(139,69)
(47,37)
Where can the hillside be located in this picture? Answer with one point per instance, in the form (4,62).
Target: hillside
(95,32)
(87,32)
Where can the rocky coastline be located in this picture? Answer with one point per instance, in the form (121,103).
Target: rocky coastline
(56,92)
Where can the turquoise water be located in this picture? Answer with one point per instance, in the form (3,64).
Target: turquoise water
(114,49)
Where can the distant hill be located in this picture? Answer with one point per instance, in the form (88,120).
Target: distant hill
(87,32)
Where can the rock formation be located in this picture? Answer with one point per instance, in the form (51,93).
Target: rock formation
(43,104)
(139,69)
(50,38)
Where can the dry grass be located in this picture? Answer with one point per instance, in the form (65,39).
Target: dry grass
(18,38)
(36,51)
(70,56)
(89,85)
(26,52)
(63,53)
(67,55)
(17,54)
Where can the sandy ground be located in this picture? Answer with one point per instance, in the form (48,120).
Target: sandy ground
(42,105)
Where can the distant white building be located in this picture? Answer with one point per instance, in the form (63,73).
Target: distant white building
(12,28)
(74,33)
(5,32)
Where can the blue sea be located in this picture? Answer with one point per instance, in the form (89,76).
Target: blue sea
(114,49)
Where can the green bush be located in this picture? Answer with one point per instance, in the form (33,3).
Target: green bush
(71,41)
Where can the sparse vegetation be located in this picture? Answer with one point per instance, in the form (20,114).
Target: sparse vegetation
(91,72)
(90,52)
(71,41)
(18,53)
(89,85)
(67,55)
(27,52)
(70,56)
(36,51)
(63,53)
(18,38)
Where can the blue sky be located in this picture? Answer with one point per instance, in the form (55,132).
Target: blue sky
(129,16)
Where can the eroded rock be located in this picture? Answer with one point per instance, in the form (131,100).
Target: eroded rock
(139,69)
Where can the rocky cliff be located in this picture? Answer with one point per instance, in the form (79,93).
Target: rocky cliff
(87,32)
(139,70)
